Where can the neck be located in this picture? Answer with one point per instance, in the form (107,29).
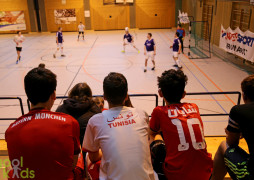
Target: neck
(41,106)
(113,105)
(170,103)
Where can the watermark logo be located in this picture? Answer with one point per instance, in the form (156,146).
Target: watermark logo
(14,169)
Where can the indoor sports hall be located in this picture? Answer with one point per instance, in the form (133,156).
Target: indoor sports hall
(214,67)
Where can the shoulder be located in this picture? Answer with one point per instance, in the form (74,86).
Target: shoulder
(96,118)
(239,110)
(140,112)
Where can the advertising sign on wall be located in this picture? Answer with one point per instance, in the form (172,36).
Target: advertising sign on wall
(12,20)
(65,16)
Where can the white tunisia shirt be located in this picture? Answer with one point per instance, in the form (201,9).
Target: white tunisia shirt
(122,135)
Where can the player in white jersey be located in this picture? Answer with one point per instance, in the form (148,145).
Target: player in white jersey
(128,40)
(19,39)
(81,28)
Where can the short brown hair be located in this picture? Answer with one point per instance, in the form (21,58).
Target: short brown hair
(247,86)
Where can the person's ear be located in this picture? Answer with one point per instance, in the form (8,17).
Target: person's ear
(105,99)
(160,93)
(53,96)
(127,97)
(245,99)
(184,94)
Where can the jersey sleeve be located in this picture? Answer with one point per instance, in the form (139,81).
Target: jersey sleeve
(154,123)
(76,134)
(90,143)
(233,122)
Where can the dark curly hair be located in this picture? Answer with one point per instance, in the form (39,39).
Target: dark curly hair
(172,84)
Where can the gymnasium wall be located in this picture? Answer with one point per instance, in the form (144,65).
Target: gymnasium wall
(16,5)
(107,17)
(155,13)
(51,5)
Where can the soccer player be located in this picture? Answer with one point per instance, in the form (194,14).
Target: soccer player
(59,42)
(176,50)
(149,50)
(182,129)
(19,39)
(121,134)
(43,144)
(128,40)
(181,32)
(81,28)
(229,156)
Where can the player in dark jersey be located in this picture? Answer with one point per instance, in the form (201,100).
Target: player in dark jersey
(181,32)
(182,128)
(59,42)
(229,156)
(42,143)
(176,50)
(128,40)
(149,50)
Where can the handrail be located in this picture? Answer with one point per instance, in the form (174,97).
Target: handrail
(131,95)
(20,103)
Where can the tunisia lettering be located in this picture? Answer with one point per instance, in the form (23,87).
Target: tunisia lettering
(121,120)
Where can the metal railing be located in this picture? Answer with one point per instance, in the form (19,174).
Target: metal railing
(130,95)
(215,93)
(20,103)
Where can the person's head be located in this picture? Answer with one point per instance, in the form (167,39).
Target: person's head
(247,86)
(177,34)
(115,89)
(179,26)
(172,85)
(99,101)
(126,30)
(19,33)
(80,92)
(41,65)
(40,87)
(149,35)
(80,22)
(60,29)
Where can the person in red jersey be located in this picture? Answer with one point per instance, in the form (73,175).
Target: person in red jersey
(182,129)
(42,144)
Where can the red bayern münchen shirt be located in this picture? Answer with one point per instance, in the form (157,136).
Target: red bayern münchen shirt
(44,142)
(183,133)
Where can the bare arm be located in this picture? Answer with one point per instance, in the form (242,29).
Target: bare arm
(75,160)
(232,138)
(95,156)
(154,49)
(144,49)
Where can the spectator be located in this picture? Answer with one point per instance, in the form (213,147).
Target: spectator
(121,133)
(99,101)
(45,142)
(229,156)
(182,129)
(80,106)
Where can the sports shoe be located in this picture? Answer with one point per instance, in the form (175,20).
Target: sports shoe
(62,55)
(123,51)
(54,56)
(180,67)
(138,51)
(175,65)
(153,68)
(17,62)
(145,70)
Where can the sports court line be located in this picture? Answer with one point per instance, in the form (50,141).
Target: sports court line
(195,76)
(203,73)
(90,50)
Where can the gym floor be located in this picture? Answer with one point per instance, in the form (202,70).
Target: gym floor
(100,53)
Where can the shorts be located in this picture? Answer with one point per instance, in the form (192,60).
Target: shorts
(175,54)
(19,49)
(236,161)
(59,45)
(81,32)
(150,54)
